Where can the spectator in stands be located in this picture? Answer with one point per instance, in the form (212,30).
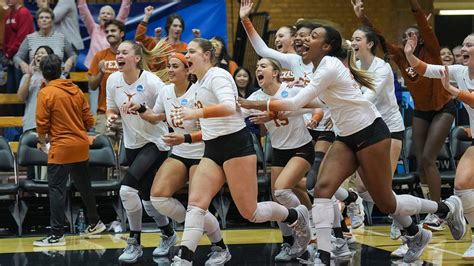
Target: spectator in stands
(457,55)
(28,92)
(63,115)
(18,23)
(66,21)
(222,57)
(98,37)
(103,64)
(96,31)
(447,57)
(46,35)
(174,27)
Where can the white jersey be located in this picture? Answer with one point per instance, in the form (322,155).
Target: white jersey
(332,84)
(136,131)
(460,74)
(165,102)
(384,95)
(216,87)
(288,133)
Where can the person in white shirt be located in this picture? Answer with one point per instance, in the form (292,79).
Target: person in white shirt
(362,139)
(187,151)
(229,156)
(144,147)
(364,43)
(293,151)
(463,75)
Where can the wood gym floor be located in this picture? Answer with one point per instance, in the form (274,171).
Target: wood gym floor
(248,247)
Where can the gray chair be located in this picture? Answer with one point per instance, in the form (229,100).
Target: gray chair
(8,164)
(29,155)
(459,141)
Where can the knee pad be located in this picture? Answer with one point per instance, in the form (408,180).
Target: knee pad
(407,205)
(195,218)
(130,199)
(366,196)
(323,213)
(467,199)
(169,207)
(160,219)
(286,197)
(269,211)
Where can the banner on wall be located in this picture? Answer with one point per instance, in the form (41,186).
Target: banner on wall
(207,15)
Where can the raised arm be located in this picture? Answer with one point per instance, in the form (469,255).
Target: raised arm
(124,10)
(86,15)
(257,42)
(430,41)
(22,55)
(61,9)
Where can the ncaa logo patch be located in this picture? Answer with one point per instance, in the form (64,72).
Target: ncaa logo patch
(140,88)
(284,94)
(184,101)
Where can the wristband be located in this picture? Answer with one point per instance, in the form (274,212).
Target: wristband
(187,138)
(142,108)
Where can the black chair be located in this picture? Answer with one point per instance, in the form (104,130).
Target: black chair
(459,140)
(29,155)
(8,164)
(407,154)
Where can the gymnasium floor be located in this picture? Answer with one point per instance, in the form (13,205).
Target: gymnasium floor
(248,247)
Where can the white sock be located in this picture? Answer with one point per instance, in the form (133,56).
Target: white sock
(133,207)
(211,227)
(323,216)
(287,198)
(341,194)
(193,227)
(467,199)
(160,219)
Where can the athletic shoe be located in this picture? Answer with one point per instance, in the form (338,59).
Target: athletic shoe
(166,243)
(355,210)
(455,218)
(284,254)
(349,237)
(402,250)
(50,241)
(177,261)
(395,232)
(469,253)
(132,252)
(218,256)
(433,223)
(97,229)
(302,232)
(340,248)
(416,245)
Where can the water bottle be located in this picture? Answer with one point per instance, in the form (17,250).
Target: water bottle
(81,221)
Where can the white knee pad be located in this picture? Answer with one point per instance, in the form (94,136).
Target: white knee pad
(169,207)
(467,199)
(269,211)
(337,213)
(130,199)
(287,198)
(323,213)
(366,196)
(407,205)
(160,219)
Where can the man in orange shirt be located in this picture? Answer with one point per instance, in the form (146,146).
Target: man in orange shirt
(103,64)
(63,114)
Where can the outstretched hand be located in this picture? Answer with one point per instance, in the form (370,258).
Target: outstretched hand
(245,8)
(358,6)
(412,41)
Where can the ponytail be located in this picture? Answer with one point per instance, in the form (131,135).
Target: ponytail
(362,77)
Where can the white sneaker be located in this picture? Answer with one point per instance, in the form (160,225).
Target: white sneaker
(416,245)
(302,231)
(340,249)
(349,237)
(166,243)
(132,252)
(469,253)
(177,261)
(455,218)
(218,256)
(356,213)
(395,232)
(50,241)
(97,229)
(401,251)
(284,254)
(433,222)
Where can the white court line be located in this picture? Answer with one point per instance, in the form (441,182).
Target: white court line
(434,248)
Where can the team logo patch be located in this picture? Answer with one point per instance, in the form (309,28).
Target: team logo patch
(140,88)
(284,94)
(184,101)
